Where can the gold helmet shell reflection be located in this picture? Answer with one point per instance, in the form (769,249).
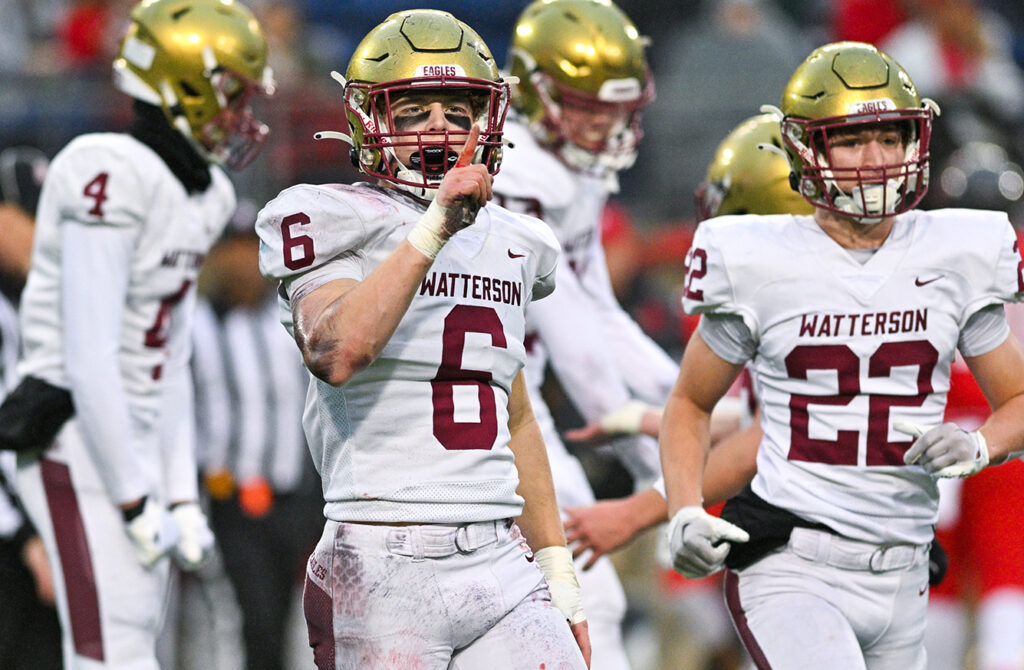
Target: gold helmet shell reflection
(844,85)
(588,54)
(199,60)
(749,174)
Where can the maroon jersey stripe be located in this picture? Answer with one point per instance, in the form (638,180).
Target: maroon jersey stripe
(75,560)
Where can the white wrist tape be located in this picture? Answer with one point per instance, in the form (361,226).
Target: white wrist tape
(556,564)
(428,234)
(626,419)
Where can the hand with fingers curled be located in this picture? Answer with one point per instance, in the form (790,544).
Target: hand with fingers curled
(600,529)
(699,542)
(195,541)
(631,418)
(463,191)
(152,529)
(945,450)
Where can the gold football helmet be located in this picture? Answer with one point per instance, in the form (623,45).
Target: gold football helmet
(201,61)
(842,85)
(581,55)
(749,174)
(417,50)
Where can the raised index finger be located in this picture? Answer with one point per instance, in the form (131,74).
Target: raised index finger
(466,155)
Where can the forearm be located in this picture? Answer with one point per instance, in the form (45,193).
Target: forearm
(704,378)
(16,234)
(1000,374)
(731,464)
(645,510)
(177,438)
(343,326)
(1004,430)
(685,441)
(540,521)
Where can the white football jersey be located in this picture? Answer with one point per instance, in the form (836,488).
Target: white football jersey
(601,357)
(422,433)
(533,180)
(113,180)
(846,349)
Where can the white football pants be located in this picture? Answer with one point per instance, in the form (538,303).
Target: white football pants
(110,607)
(432,597)
(823,601)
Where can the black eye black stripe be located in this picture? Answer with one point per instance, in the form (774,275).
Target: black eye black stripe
(403,121)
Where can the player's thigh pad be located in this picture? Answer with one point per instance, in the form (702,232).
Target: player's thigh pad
(797,614)
(533,635)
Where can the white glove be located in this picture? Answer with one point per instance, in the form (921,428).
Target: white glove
(556,564)
(626,419)
(196,541)
(946,450)
(699,542)
(153,532)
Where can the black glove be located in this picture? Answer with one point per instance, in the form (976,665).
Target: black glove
(938,564)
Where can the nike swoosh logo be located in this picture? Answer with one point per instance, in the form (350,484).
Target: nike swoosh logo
(924,589)
(512,255)
(918,282)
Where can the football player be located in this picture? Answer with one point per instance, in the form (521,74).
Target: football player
(744,177)
(443,547)
(850,319)
(123,223)
(583,81)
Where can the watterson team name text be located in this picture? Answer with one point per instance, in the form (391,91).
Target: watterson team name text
(461,285)
(869,323)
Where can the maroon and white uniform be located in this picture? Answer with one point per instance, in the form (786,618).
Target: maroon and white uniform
(106,314)
(420,436)
(843,344)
